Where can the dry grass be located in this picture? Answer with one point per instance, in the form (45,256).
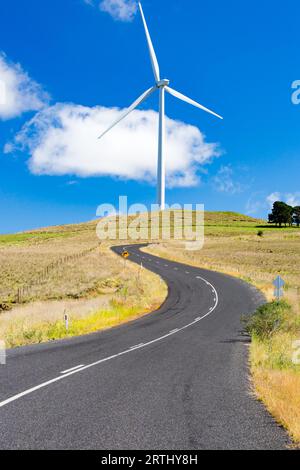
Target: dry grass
(133,293)
(279,390)
(23,263)
(245,255)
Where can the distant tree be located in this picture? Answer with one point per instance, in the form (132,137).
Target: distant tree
(282,213)
(296,215)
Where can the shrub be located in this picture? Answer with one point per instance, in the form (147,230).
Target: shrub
(260,233)
(267,319)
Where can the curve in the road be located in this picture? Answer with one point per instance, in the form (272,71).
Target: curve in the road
(77,369)
(165,382)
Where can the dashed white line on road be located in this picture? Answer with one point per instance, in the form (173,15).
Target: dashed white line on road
(73,368)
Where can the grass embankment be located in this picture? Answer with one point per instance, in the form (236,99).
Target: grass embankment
(275,362)
(134,293)
(232,246)
(95,290)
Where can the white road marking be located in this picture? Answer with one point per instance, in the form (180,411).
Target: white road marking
(174,331)
(73,368)
(166,265)
(137,346)
(187,272)
(106,359)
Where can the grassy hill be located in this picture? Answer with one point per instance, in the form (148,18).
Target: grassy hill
(229,219)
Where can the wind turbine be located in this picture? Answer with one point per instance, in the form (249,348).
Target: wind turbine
(162,86)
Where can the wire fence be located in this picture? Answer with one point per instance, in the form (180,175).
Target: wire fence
(24,291)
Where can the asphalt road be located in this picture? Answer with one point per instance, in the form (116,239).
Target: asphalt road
(174,379)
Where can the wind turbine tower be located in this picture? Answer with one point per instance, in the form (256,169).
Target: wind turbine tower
(161,85)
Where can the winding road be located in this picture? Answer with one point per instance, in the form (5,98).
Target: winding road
(174,379)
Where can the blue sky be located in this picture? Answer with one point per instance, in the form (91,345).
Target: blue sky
(78,62)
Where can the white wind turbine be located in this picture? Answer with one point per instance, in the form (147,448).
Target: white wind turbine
(162,86)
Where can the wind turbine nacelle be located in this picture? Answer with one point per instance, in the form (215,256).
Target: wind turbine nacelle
(163,82)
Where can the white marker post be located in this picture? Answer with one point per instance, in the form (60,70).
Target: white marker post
(2,353)
(66,318)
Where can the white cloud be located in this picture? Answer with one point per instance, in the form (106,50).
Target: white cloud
(62,140)
(18,92)
(293,199)
(273,197)
(224,181)
(120,10)
(259,202)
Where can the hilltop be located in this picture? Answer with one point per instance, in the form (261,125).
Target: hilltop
(212,219)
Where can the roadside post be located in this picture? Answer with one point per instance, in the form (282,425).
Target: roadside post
(2,353)
(66,319)
(278,284)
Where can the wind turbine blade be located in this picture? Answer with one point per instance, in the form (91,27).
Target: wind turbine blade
(153,57)
(190,101)
(140,100)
